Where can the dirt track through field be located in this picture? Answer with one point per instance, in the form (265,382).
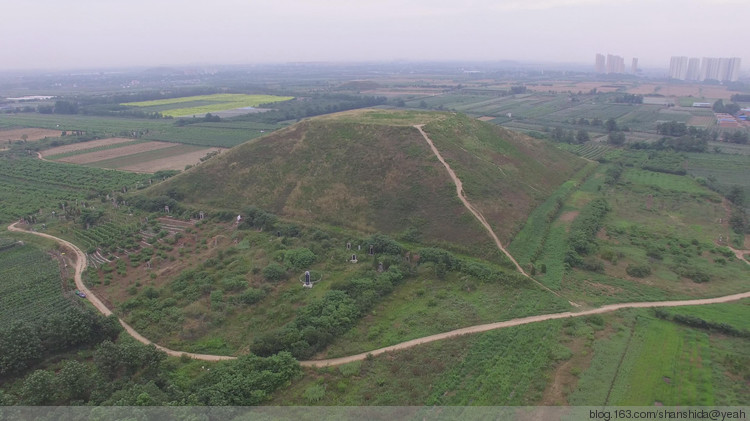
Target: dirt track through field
(81,265)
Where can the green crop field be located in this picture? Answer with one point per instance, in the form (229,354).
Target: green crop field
(657,362)
(726,170)
(28,185)
(223,134)
(31,284)
(664,182)
(202,104)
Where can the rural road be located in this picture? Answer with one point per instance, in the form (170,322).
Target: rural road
(81,265)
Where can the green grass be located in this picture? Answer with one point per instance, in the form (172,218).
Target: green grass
(649,361)
(427,306)
(665,182)
(31,286)
(202,104)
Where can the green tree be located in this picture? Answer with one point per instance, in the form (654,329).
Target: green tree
(73,381)
(582,136)
(610,125)
(20,347)
(38,388)
(616,138)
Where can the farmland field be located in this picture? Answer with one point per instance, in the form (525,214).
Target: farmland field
(202,104)
(75,148)
(727,170)
(30,133)
(31,284)
(30,184)
(124,150)
(223,134)
(166,158)
(670,364)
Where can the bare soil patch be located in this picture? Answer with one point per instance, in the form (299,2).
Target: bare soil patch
(177,162)
(569,216)
(88,158)
(486,118)
(85,145)
(701,121)
(31,134)
(696,90)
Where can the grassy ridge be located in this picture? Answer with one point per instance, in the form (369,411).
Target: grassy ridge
(504,174)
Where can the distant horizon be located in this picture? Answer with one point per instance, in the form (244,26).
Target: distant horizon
(545,65)
(48,34)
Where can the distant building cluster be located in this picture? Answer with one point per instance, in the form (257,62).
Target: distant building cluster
(722,69)
(613,64)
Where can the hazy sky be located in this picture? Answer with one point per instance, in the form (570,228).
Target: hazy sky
(107,33)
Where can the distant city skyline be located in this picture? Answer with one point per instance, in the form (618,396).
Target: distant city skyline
(49,34)
(723,69)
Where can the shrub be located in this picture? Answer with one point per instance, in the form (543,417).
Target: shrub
(274,272)
(300,258)
(638,271)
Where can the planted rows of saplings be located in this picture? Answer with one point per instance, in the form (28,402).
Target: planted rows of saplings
(108,236)
(31,286)
(70,176)
(529,242)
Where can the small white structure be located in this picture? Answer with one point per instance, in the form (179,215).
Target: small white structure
(354,258)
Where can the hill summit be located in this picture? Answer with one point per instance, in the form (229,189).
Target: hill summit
(373,171)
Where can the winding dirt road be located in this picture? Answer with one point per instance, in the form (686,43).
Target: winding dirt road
(81,265)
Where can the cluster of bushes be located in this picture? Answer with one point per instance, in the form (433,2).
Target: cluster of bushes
(24,343)
(582,236)
(697,322)
(665,162)
(127,373)
(321,321)
(685,143)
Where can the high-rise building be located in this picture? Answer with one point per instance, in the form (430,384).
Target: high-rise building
(615,64)
(693,69)
(600,64)
(678,67)
(733,72)
(634,66)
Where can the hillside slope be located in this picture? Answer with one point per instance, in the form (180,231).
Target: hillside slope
(372,171)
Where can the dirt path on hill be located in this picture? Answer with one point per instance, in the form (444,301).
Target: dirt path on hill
(81,265)
(461,195)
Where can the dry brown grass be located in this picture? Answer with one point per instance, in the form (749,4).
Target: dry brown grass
(177,162)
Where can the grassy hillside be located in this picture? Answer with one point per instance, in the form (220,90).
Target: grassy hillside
(371,171)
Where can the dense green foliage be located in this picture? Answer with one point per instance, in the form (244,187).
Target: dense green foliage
(582,237)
